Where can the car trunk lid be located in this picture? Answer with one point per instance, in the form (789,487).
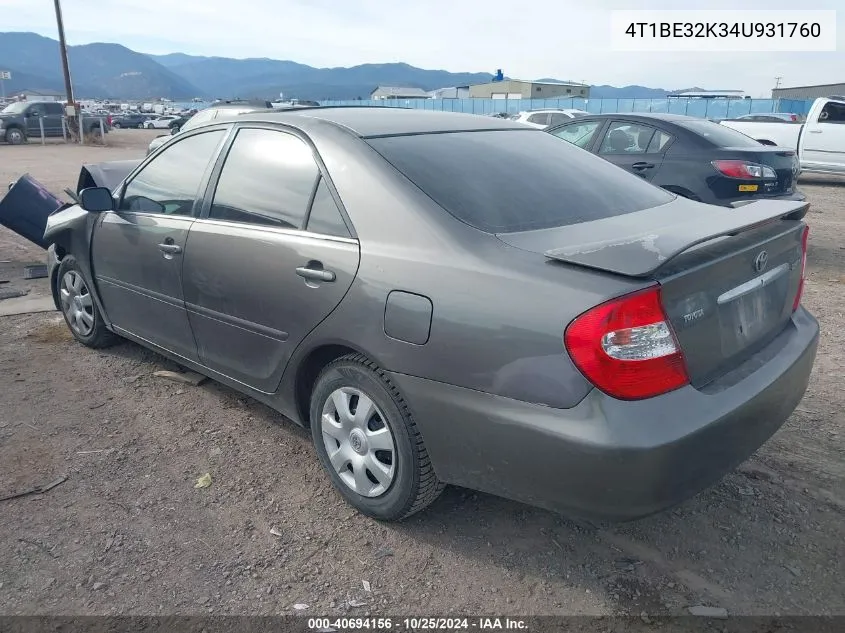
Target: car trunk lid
(728,278)
(783,161)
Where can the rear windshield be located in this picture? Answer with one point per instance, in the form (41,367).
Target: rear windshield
(512,180)
(719,135)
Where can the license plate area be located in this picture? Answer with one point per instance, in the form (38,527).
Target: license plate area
(750,311)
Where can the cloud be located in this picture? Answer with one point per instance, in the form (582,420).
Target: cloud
(565,39)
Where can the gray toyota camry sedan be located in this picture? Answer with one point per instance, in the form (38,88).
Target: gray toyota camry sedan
(452,299)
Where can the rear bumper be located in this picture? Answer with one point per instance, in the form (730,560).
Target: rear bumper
(605,458)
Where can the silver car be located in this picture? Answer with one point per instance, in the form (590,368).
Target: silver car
(448,298)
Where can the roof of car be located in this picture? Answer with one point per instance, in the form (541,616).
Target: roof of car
(371,121)
(660,116)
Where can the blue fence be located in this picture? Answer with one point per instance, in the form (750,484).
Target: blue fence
(707,108)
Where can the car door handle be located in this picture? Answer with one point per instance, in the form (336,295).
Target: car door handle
(170,249)
(815,131)
(642,165)
(315,274)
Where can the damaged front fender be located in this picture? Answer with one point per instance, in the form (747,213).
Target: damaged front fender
(110,174)
(26,207)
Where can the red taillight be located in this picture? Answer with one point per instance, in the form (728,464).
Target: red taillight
(108,120)
(794,117)
(743,170)
(804,236)
(626,347)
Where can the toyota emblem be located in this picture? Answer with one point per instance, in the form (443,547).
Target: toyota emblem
(761,261)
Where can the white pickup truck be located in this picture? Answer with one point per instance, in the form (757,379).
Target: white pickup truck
(820,141)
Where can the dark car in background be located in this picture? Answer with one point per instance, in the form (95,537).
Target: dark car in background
(691,157)
(133,120)
(23,120)
(449,298)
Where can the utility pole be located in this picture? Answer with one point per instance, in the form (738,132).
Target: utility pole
(65,65)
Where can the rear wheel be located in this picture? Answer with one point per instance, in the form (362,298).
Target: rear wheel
(15,136)
(79,308)
(368,442)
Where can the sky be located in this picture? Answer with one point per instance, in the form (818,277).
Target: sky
(563,39)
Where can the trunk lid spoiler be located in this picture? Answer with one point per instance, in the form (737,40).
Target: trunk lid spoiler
(639,244)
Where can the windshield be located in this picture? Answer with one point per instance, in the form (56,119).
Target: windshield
(15,108)
(719,135)
(502,181)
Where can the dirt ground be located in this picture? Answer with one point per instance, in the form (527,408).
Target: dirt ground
(128,533)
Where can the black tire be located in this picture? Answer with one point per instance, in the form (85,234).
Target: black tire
(98,336)
(116,125)
(414,485)
(140,126)
(15,136)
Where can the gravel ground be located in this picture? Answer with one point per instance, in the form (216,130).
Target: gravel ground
(128,533)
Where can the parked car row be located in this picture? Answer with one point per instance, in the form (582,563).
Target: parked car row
(447,298)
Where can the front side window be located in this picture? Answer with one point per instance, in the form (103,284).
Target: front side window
(267,179)
(169,183)
(832,113)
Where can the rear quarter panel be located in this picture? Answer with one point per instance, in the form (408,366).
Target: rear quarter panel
(499,313)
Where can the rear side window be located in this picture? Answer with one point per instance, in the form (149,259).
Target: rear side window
(580,134)
(502,181)
(267,179)
(719,135)
(659,142)
(325,217)
(541,118)
(53,108)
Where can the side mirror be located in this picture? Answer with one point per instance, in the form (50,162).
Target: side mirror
(96,199)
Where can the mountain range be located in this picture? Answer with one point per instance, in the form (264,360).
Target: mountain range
(112,71)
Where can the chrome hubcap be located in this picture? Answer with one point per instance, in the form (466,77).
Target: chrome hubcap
(358,442)
(77,305)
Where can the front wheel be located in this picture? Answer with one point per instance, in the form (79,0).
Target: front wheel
(79,308)
(15,136)
(368,442)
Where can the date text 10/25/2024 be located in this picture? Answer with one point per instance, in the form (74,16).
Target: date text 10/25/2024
(326,625)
